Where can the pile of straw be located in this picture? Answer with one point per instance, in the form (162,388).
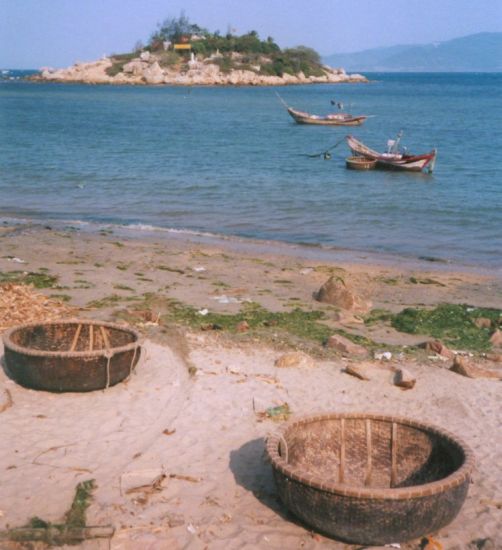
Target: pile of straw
(21,304)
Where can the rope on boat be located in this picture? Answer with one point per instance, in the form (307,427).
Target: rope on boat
(325,154)
(133,359)
(108,355)
(282,100)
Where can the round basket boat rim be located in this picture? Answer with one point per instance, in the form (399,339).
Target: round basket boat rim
(399,493)
(8,343)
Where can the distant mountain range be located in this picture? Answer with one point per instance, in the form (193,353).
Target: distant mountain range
(474,53)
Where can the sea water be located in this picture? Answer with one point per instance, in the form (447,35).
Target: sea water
(231,161)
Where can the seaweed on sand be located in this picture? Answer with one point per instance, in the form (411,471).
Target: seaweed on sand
(452,323)
(73,530)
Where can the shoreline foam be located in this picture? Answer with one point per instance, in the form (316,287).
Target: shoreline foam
(307,251)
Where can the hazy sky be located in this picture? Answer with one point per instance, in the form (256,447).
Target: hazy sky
(57,33)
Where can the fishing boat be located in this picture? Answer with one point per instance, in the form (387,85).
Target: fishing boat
(394,158)
(331,119)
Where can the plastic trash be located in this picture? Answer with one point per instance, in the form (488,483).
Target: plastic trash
(383,356)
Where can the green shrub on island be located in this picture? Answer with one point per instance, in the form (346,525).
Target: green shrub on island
(118,62)
(168,59)
(229,52)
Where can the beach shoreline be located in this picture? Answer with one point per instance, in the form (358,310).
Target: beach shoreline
(315,252)
(192,413)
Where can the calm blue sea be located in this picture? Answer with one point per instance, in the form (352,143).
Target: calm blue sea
(231,161)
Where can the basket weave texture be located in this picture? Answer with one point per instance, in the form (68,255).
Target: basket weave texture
(360,163)
(74,355)
(370,479)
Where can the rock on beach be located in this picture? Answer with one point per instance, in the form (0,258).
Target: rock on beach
(345,346)
(297,359)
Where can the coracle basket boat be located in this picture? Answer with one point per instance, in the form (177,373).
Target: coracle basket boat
(370,479)
(71,356)
(360,163)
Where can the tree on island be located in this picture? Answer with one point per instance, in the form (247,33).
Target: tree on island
(229,52)
(174,29)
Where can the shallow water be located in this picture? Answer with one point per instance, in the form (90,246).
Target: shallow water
(231,161)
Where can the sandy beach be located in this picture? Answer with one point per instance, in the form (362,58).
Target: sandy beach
(177,451)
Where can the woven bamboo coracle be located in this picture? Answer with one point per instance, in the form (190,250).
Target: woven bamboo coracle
(360,163)
(76,356)
(370,479)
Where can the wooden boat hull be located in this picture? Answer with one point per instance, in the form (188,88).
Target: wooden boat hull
(408,163)
(335,120)
(418,164)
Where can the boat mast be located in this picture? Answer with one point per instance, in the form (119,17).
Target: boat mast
(396,142)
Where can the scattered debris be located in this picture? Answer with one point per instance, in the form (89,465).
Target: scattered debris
(344,345)
(483,322)
(486,543)
(437,358)
(281,412)
(295,359)
(242,326)
(426,281)
(383,356)
(224,299)
(203,312)
(306,270)
(49,450)
(167,431)
(461,365)
(347,318)
(191,529)
(198,269)
(182,477)
(16,260)
(144,481)
(404,379)
(496,338)
(211,326)
(436,346)
(491,502)
(428,543)
(144,317)
(20,304)
(174,520)
(267,379)
(357,371)
(5,400)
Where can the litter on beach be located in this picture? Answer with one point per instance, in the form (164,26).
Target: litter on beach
(224,299)
(278,413)
(16,260)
